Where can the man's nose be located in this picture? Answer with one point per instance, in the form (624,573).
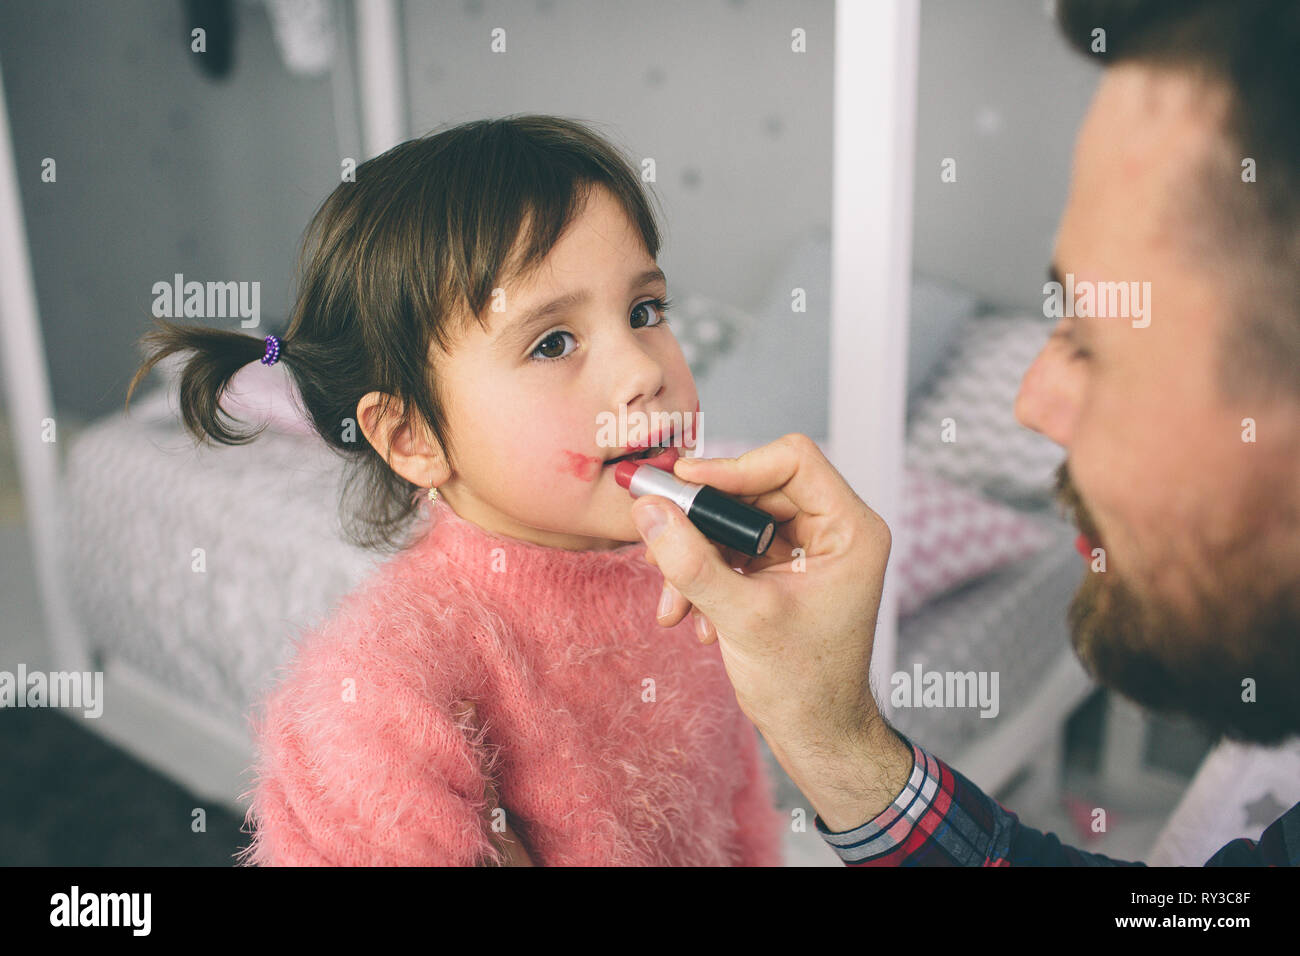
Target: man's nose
(1048,401)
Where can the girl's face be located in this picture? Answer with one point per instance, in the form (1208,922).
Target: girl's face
(530,401)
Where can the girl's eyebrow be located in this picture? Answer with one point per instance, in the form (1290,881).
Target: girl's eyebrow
(541,313)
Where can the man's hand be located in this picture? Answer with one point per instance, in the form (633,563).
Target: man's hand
(508,842)
(796,626)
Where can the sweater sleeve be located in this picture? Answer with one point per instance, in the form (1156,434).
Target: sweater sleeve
(360,762)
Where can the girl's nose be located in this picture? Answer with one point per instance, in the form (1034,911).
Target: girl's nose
(638,375)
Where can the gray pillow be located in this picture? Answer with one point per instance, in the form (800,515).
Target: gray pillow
(976,388)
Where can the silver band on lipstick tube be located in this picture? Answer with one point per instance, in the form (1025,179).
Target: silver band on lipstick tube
(653,481)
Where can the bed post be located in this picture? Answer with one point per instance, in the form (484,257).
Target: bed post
(379,68)
(876,56)
(31,412)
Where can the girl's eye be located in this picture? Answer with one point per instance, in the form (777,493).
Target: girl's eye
(660,306)
(552,347)
(546,348)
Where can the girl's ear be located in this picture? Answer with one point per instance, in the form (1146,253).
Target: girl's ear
(413,452)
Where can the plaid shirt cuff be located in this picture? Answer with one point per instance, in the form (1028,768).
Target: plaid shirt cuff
(883,840)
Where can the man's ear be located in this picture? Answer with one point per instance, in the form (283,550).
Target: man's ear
(411,451)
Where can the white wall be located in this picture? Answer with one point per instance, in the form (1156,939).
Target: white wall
(160,170)
(1002,94)
(739,126)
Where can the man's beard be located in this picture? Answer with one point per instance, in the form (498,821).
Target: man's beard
(1196,664)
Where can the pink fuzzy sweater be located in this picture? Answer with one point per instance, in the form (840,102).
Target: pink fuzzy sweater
(611,740)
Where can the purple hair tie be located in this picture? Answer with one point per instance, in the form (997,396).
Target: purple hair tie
(272,350)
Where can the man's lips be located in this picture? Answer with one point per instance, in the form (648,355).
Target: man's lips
(1085,545)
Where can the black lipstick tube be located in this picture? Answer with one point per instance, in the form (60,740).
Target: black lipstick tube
(719,517)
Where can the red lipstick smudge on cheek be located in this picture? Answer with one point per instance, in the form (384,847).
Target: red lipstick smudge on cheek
(582,467)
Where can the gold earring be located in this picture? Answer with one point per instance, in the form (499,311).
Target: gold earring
(433,494)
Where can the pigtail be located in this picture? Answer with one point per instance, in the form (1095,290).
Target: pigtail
(216,356)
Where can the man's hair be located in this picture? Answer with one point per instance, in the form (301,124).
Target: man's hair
(1251,48)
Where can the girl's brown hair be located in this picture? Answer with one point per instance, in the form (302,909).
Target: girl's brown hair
(425,233)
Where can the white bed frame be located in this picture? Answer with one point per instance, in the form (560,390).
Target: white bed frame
(874,117)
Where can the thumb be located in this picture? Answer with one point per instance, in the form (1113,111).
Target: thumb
(688,560)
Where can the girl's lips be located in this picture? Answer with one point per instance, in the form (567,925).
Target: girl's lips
(664,461)
(633,447)
(650,441)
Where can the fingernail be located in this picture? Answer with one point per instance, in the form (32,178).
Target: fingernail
(701,629)
(650,521)
(665,601)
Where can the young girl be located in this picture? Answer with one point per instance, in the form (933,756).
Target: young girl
(475,307)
